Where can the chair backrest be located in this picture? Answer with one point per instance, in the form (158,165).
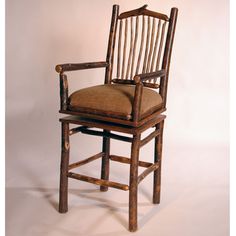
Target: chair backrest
(140,41)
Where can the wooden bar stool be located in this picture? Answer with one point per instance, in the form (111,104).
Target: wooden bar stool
(126,103)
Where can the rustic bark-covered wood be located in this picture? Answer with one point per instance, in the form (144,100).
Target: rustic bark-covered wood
(149,170)
(141,45)
(167,53)
(122,81)
(96,181)
(119,49)
(135,45)
(156,45)
(127,161)
(151,75)
(153,63)
(105,159)
(137,102)
(143,11)
(80,66)
(63,92)
(161,45)
(65,149)
(158,159)
(130,49)
(149,137)
(151,44)
(124,49)
(133,183)
(111,44)
(147,45)
(127,70)
(85,161)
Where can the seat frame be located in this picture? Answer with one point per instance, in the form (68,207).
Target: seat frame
(108,125)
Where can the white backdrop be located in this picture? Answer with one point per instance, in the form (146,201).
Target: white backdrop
(41,34)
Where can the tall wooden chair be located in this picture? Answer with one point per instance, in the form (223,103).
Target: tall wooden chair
(131,100)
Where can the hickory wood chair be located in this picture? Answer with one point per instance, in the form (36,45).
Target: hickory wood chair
(140,45)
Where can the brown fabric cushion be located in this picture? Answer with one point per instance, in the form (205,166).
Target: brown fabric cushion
(114,100)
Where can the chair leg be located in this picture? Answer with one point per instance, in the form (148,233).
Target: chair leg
(65,148)
(133,183)
(105,161)
(158,158)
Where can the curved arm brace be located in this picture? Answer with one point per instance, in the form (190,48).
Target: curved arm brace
(80,66)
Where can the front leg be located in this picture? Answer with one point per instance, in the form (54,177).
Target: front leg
(65,149)
(133,183)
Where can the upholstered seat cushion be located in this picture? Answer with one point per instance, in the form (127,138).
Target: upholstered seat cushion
(113,100)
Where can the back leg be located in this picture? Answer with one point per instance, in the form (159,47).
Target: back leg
(158,158)
(105,161)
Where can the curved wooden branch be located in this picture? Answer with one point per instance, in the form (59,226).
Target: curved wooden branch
(143,11)
(80,66)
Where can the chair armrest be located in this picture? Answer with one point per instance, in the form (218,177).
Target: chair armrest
(139,79)
(80,66)
(147,76)
(63,78)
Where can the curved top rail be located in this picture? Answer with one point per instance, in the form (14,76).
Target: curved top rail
(143,11)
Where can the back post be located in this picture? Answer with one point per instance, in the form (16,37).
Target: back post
(167,53)
(111,44)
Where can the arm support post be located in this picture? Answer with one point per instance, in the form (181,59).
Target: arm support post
(137,99)
(138,80)
(63,91)
(63,78)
